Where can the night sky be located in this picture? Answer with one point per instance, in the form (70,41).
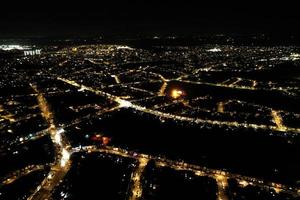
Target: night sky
(131,17)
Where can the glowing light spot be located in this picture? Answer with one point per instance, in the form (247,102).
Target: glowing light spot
(295,56)
(124,103)
(65,158)
(57,138)
(106,140)
(214,50)
(243,183)
(12,47)
(175,94)
(277,190)
(124,47)
(278,120)
(60,131)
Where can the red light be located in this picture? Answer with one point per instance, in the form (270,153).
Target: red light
(106,140)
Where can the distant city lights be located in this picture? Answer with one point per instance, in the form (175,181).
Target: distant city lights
(32,52)
(124,47)
(295,56)
(214,50)
(13,47)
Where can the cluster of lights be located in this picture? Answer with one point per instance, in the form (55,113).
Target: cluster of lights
(13,47)
(214,50)
(57,136)
(124,47)
(65,158)
(124,104)
(295,56)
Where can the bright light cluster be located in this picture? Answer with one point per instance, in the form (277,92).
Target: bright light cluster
(65,158)
(12,47)
(214,50)
(124,103)
(176,93)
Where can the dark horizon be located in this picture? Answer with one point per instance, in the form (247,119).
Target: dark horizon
(29,19)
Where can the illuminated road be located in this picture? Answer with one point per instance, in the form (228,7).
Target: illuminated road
(63,151)
(233,86)
(35,136)
(278,120)
(137,187)
(222,183)
(116,79)
(163,88)
(62,162)
(20,173)
(128,104)
(128,78)
(220,176)
(221,107)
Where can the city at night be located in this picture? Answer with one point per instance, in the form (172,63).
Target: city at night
(149,100)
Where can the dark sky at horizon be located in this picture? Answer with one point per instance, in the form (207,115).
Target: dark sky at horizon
(46,18)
